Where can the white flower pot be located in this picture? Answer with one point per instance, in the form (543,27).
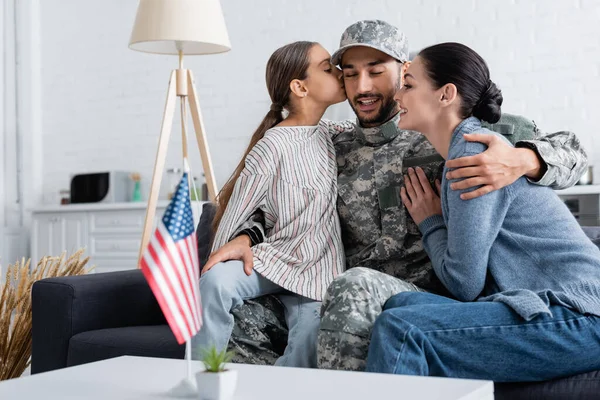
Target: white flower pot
(216,385)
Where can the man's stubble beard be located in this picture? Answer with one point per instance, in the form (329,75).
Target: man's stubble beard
(388,109)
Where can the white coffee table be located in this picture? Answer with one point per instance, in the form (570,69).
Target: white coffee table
(151,378)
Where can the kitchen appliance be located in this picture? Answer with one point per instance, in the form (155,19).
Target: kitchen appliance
(100,187)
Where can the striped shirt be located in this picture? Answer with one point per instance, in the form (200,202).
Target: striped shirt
(291,176)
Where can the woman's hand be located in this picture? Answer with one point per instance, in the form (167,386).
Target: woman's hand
(418,196)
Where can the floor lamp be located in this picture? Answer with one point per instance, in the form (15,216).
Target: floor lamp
(179,27)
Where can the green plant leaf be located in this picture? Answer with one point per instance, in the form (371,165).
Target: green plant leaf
(214,360)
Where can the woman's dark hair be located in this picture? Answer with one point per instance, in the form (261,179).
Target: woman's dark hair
(458,64)
(285,64)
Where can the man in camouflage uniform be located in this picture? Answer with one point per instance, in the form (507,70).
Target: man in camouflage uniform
(383,247)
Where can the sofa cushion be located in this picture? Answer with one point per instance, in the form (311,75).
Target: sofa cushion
(144,341)
(582,386)
(204,232)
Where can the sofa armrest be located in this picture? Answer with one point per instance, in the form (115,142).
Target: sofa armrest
(64,307)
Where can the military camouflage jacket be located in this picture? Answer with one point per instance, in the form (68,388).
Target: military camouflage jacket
(377,230)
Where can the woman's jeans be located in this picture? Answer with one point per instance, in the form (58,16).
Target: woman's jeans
(226,286)
(426,334)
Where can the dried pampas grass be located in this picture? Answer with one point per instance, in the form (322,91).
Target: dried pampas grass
(15,307)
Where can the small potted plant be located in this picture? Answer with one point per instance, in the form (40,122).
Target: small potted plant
(216,382)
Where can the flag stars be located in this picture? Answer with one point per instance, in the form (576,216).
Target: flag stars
(178,218)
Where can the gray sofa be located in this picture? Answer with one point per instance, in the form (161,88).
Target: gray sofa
(82,319)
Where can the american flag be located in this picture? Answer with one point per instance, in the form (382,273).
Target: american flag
(171,267)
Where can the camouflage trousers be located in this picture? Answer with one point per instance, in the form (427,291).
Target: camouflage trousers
(351,305)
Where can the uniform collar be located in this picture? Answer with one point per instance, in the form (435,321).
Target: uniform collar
(379,135)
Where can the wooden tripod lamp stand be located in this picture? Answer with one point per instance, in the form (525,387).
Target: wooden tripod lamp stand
(179,27)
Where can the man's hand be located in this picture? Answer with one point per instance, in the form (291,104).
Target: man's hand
(237,249)
(418,196)
(499,166)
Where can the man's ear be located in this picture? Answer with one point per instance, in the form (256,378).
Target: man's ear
(448,95)
(298,88)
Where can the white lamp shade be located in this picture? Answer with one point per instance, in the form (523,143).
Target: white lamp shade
(167,26)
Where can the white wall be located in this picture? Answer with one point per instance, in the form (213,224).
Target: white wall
(13,238)
(102,103)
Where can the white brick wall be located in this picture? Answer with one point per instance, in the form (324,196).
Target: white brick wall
(102,103)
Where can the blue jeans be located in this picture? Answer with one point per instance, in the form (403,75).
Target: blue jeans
(226,286)
(426,334)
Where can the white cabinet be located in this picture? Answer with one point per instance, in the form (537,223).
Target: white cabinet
(55,233)
(110,233)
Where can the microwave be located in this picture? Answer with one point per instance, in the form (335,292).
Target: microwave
(101,187)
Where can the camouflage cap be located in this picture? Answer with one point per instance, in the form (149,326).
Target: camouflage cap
(376,34)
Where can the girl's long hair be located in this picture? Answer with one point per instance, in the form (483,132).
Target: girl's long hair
(285,64)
